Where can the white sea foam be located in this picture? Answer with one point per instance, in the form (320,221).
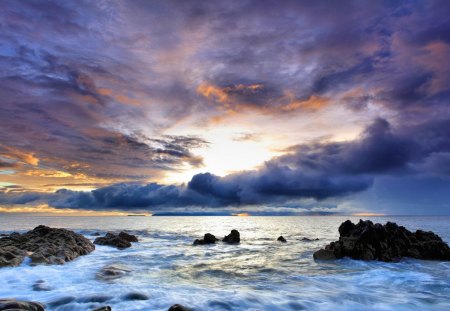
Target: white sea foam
(258,274)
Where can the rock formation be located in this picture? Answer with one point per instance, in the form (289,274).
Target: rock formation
(43,245)
(389,242)
(233,238)
(207,239)
(121,240)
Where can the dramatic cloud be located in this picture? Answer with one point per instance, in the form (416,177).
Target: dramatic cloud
(116,96)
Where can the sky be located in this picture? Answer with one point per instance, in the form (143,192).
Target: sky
(259,107)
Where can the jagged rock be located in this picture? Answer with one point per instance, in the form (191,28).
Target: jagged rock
(112,272)
(105,308)
(389,242)
(44,245)
(121,241)
(15,305)
(178,307)
(233,237)
(207,239)
(281,239)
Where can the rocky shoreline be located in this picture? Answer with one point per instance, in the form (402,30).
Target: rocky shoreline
(362,241)
(43,245)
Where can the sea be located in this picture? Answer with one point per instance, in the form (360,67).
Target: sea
(257,274)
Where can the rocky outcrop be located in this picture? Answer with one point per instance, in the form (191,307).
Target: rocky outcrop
(44,245)
(121,240)
(233,238)
(15,305)
(178,307)
(207,239)
(105,308)
(281,239)
(389,242)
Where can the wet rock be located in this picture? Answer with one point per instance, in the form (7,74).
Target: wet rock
(11,256)
(96,234)
(309,240)
(121,240)
(112,272)
(207,239)
(233,238)
(105,308)
(16,305)
(324,254)
(128,237)
(178,307)
(114,240)
(44,245)
(281,239)
(389,242)
(41,286)
(94,298)
(62,301)
(135,296)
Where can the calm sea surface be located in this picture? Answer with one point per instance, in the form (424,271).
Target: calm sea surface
(258,274)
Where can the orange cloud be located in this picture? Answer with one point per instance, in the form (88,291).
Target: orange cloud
(45,209)
(312,103)
(118,97)
(22,156)
(230,103)
(54,174)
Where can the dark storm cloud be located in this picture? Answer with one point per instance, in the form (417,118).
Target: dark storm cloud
(314,171)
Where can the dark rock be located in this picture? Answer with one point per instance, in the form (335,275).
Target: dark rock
(389,242)
(40,286)
(309,240)
(207,239)
(128,237)
(112,272)
(324,254)
(94,298)
(105,308)
(233,237)
(44,245)
(96,234)
(135,296)
(178,307)
(62,301)
(281,239)
(15,305)
(120,241)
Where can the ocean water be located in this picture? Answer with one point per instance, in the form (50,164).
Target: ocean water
(258,274)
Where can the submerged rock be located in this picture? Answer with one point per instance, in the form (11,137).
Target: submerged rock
(40,286)
(233,237)
(309,240)
(178,307)
(389,242)
(207,239)
(112,272)
(16,305)
(44,245)
(121,240)
(281,239)
(105,308)
(135,296)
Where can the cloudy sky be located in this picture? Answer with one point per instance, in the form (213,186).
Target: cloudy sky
(225,106)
